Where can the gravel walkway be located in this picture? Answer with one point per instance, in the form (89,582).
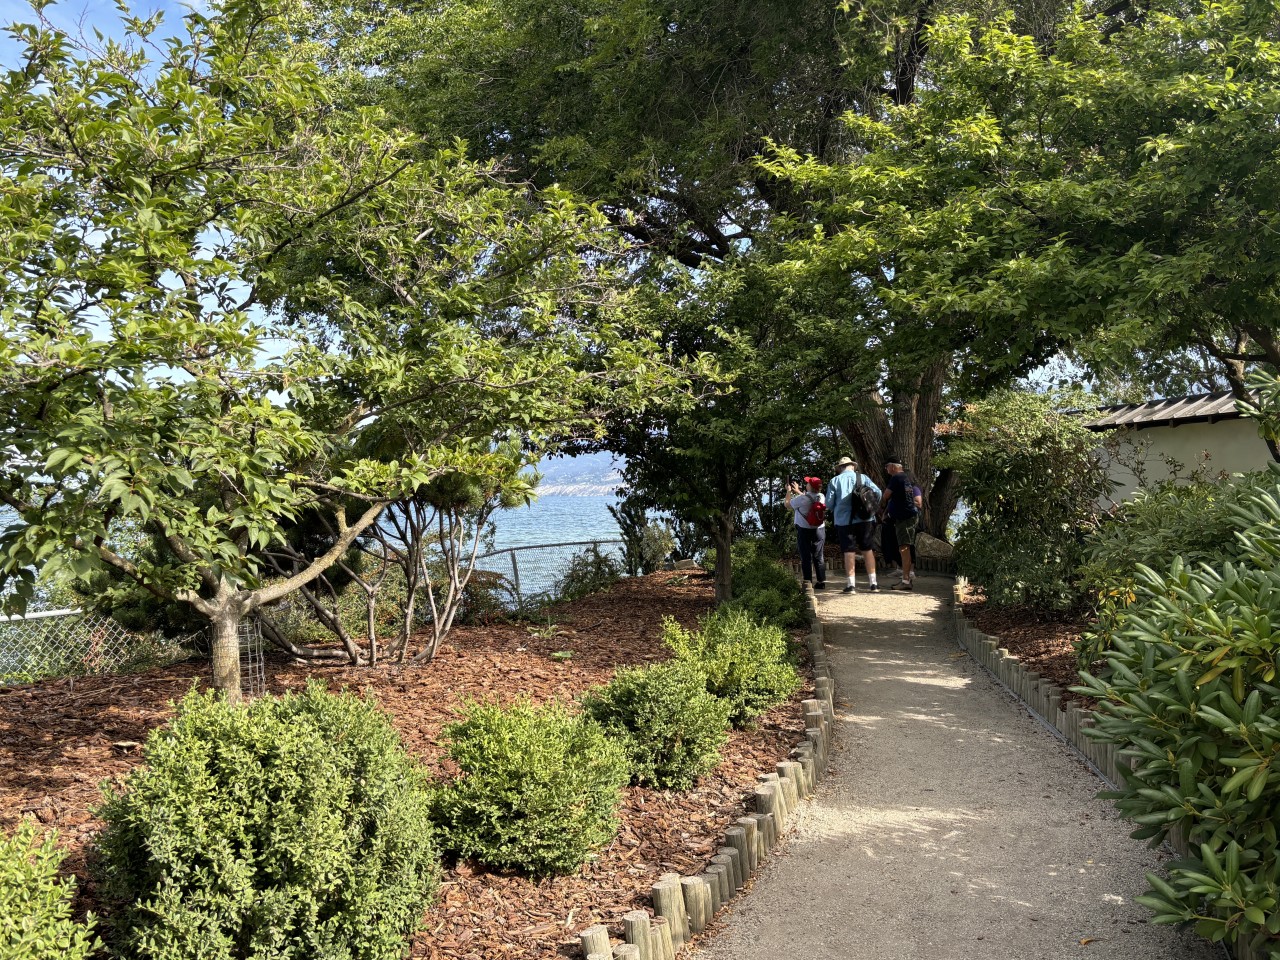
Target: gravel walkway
(952,826)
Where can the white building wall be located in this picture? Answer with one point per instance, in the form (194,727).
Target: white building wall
(1208,449)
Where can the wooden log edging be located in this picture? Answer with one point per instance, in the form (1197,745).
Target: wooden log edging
(1043,699)
(683,906)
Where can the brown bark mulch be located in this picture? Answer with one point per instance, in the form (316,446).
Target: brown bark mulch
(1043,642)
(60,739)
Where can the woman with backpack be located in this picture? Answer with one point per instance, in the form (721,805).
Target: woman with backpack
(810,509)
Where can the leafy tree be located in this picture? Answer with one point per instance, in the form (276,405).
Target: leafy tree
(1018,206)
(1033,480)
(659,112)
(155,199)
(705,464)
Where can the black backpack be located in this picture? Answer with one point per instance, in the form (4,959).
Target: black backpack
(864,501)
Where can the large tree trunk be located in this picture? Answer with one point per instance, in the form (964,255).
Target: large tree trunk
(905,429)
(722,539)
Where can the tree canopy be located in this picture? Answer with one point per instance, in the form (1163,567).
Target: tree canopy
(219,291)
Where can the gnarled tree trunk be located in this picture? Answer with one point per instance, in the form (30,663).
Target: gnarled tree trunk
(905,428)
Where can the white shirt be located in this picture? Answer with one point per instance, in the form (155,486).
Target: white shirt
(800,503)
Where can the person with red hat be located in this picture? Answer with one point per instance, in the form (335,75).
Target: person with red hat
(810,509)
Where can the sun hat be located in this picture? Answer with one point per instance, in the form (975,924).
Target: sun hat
(846,462)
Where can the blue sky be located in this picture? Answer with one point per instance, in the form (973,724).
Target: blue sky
(75,15)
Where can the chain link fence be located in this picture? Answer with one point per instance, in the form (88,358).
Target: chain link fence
(58,643)
(525,578)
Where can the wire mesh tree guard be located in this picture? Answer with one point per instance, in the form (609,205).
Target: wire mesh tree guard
(253,667)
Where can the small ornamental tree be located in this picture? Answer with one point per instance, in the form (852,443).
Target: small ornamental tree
(155,200)
(1032,478)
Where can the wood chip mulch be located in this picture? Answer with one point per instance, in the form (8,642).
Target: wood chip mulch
(1044,643)
(60,739)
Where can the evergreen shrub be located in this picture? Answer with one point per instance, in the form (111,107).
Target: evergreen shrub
(745,662)
(1032,479)
(1191,692)
(587,572)
(538,791)
(1196,522)
(670,726)
(35,903)
(291,828)
(764,588)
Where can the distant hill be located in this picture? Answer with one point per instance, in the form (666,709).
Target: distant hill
(589,474)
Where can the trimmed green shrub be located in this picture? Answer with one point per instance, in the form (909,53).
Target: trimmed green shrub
(745,662)
(35,904)
(538,792)
(670,726)
(1191,692)
(782,606)
(763,588)
(292,828)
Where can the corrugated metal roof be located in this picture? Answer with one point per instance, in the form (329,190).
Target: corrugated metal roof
(1205,407)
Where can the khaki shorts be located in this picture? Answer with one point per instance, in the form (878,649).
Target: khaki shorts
(906,531)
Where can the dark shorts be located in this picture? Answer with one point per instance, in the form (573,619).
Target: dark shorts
(856,537)
(906,531)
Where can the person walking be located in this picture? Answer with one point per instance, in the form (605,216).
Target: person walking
(810,508)
(900,503)
(852,499)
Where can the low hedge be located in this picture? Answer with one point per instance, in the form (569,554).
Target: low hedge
(746,662)
(671,728)
(538,791)
(35,903)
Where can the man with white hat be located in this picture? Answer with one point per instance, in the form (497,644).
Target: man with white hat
(852,500)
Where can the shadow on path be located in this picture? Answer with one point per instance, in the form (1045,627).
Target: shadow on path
(951,825)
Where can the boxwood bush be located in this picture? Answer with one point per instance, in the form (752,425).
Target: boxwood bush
(291,828)
(670,726)
(538,791)
(745,662)
(35,903)
(1191,691)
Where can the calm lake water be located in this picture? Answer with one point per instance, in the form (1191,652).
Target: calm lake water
(557,518)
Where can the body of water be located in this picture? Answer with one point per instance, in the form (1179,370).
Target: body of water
(557,518)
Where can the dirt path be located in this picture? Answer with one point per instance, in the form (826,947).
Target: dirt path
(952,825)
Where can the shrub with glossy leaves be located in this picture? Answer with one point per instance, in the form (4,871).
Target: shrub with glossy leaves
(670,726)
(1191,692)
(1195,522)
(538,791)
(745,662)
(35,903)
(291,828)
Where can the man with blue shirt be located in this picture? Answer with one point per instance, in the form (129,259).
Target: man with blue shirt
(851,500)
